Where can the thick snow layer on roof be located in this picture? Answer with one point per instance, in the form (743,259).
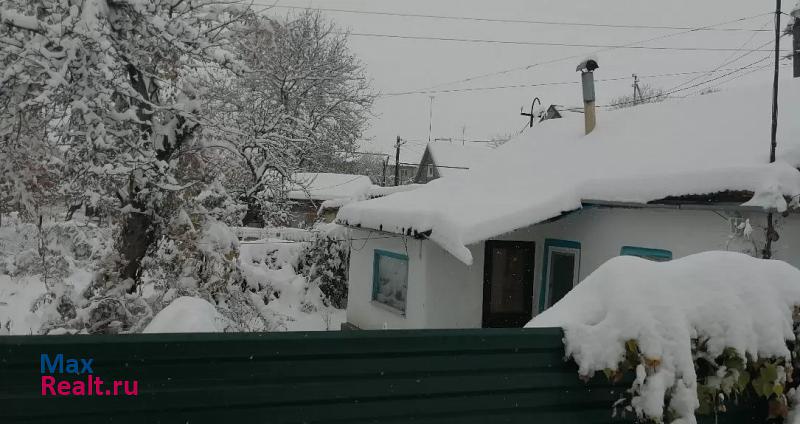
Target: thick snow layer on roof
(374,191)
(450,157)
(324,186)
(699,145)
(664,305)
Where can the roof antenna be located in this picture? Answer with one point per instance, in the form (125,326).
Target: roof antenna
(531,115)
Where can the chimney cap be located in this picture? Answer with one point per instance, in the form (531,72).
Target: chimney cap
(588,65)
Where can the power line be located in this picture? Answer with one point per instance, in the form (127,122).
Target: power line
(500,87)
(438,166)
(540,43)
(691,86)
(562,59)
(748,73)
(729,59)
(515,21)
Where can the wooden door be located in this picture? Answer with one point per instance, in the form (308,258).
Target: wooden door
(508,283)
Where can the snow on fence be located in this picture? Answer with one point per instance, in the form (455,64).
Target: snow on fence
(428,376)
(283,233)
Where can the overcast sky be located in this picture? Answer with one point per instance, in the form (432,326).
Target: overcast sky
(399,65)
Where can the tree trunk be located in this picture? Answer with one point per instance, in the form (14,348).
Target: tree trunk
(71,211)
(254,216)
(136,237)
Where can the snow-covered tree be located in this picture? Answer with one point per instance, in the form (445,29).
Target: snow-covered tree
(116,80)
(304,100)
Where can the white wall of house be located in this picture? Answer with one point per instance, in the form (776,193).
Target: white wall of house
(445,293)
(361,310)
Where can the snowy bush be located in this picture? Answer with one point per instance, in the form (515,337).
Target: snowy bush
(325,265)
(218,204)
(699,334)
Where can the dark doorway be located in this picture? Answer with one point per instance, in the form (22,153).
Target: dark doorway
(508,283)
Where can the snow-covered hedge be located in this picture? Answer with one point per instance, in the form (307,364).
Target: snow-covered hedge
(699,333)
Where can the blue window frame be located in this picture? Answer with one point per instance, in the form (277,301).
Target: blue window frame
(560,270)
(657,255)
(390,279)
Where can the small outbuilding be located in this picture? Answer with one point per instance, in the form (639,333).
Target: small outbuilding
(310,190)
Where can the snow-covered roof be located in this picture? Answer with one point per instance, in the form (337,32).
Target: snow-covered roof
(325,186)
(699,145)
(450,157)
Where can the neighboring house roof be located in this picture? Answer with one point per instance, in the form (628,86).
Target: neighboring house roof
(325,186)
(410,155)
(373,192)
(451,159)
(700,145)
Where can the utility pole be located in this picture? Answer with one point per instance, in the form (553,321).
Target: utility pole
(796,41)
(772,235)
(385,163)
(397,162)
(775,81)
(430,119)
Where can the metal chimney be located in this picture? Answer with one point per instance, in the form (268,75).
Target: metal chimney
(586,68)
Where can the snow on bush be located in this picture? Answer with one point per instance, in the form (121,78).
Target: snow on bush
(695,331)
(188,315)
(43,269)
(287,280)
(325,264)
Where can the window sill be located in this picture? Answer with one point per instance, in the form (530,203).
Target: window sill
(388,308)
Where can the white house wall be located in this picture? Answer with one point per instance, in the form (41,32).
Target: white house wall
(454,290)
(603,231)
(445,293)
(364,313)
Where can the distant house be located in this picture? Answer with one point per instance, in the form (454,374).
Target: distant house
(551,113)
(318,196)
(511,236)
(409,163)
(310,190)
(443,159)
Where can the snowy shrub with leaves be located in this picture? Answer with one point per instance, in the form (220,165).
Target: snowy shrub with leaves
(47,265)
(197,257)
(325,264)
(216,202)
(700,333)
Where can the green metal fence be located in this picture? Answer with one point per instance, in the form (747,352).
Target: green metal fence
(431,376)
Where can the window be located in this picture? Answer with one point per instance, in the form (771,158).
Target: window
(560,271)
(657,255)
(390,280)
(430,171)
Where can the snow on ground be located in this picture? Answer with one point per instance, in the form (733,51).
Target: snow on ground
(731,299)
(188,315)
(699,145)
(74,247)
(294,306)
(270,265)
